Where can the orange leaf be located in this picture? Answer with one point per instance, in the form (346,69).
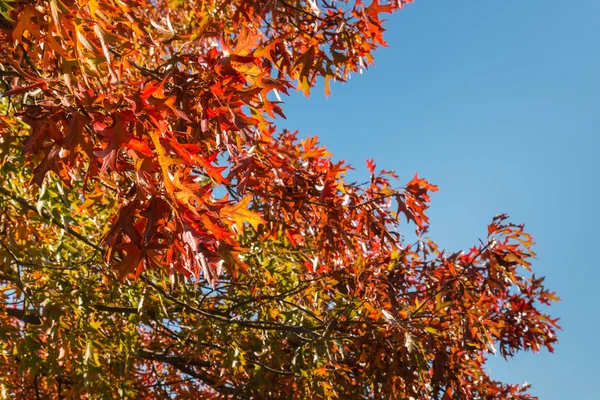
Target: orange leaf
(240,214)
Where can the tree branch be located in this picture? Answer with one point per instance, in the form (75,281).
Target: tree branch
(262,325)
(24,316)
(161,357)
(184,364)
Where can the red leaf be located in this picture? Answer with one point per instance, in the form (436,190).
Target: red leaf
(371,166)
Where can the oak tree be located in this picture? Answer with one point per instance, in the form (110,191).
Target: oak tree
(161,238)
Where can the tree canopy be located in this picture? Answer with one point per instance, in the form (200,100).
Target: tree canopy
(161,238)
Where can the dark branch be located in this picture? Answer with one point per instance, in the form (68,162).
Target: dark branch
(262,325)
(185,364)
(24,315)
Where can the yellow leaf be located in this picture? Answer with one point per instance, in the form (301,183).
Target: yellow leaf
(163,160)
(240,213)
(327,86)
(431,330)
(304,85)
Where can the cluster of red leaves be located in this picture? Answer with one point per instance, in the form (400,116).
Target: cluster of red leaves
(155,133)
(169,106)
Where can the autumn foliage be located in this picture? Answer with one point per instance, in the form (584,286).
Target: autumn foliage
(160,238)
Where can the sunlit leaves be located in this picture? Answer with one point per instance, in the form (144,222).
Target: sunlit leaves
(160,237)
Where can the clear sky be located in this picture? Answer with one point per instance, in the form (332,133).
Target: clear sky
(498,103)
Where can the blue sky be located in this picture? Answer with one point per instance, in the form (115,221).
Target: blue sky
(498,103)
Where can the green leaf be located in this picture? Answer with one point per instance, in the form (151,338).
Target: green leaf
(5,8)
(431,330)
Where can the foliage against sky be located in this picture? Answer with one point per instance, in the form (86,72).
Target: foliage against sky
(160,236)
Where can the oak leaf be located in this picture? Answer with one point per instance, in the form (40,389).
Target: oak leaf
(240,213)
